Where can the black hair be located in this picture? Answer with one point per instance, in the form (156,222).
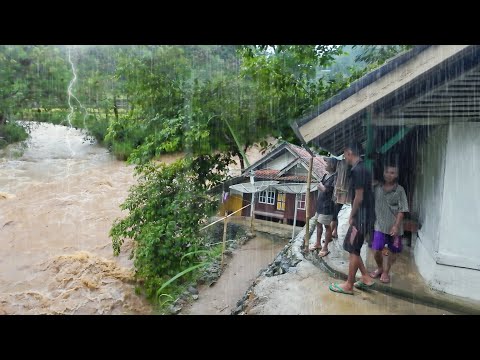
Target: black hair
(355,147)
(332,161)
(392,165)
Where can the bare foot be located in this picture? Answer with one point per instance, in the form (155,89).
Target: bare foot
(375,274)
(385,278)
(367,280)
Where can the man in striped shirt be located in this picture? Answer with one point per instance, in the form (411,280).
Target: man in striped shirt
(390,206)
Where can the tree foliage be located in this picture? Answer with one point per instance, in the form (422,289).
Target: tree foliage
(287,80)
(165,211)
(376,55)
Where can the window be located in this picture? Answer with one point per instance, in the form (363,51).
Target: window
(281,201)
(301,202)
(267,197)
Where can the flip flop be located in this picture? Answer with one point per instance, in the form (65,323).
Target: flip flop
(323,253)
(313,247)
(362,286)
(335,288)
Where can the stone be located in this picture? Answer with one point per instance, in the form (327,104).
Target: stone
(285,265)
(192,290)
(180,302)
(174,309)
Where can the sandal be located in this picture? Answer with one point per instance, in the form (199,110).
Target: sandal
(375,274)
(335,288)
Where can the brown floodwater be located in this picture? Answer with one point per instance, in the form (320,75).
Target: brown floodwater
(58,201)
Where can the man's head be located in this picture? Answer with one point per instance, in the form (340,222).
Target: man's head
(331,164)
(390,173)
(352,152)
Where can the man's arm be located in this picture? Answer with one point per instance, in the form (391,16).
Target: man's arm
(401,213)
(321,187)
(357,202)
(396,225)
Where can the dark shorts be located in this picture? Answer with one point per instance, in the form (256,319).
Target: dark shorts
(353,246)
(380,239)
(336,210)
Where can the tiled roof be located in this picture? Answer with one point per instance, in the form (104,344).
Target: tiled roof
(318,166)
(318,163)
(267,174)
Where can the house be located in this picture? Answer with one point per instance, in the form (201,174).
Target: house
(286,163)
(421,108)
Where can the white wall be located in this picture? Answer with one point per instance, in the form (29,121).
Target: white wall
(447,196)
(280,162)
(298,170)
(459,229)
(428,190)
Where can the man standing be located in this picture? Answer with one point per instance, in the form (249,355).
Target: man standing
(325,207)
(361,220)
(390,206)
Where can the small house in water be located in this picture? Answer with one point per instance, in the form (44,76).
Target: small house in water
(421,108)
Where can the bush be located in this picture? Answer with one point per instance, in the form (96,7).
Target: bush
(97,128)
(122,150)
(11,132)
(123,137)
(166,209)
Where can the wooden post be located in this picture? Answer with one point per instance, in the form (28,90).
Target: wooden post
(224,235)
(295,217)
(307,205)
(370,144)
(252,212)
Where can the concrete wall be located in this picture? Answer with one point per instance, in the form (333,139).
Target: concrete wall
(447,197)
(459,229)
(428,190)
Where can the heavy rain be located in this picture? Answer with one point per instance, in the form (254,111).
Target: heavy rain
(246,179)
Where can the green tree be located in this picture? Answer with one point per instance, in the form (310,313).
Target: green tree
(287,82)
(165,211)
(376,55)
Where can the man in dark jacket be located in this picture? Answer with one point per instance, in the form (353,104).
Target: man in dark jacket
(362,218)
